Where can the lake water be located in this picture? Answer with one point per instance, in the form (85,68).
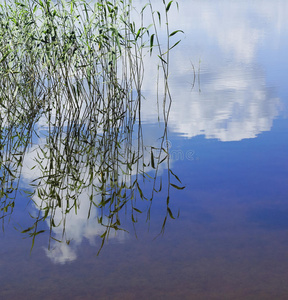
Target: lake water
(227,137)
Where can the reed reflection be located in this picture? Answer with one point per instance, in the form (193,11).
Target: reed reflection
(71,120)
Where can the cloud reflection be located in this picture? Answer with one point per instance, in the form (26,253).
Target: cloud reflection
(235,101)
(229,110)
(74,226)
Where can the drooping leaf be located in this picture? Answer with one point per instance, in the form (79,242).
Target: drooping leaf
(170,213)
(168,5)
(177,187)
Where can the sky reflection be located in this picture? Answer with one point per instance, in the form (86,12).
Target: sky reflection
(228,144)
(222,40)
(231,99)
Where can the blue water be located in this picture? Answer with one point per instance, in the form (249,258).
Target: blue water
(228,145)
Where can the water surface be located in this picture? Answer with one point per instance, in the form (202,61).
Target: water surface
(228,144)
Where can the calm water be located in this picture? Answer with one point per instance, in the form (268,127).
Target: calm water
(228,144)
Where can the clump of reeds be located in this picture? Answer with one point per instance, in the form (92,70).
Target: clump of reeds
(78,67)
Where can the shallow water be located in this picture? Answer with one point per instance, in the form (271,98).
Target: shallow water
(228,144)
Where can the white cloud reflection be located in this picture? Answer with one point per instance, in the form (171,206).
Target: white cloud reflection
(77,228)
(228,109)
(235,101)
(75,225)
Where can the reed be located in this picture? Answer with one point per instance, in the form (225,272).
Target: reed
(71,76)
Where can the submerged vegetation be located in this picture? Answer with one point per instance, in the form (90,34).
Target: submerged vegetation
(70,97)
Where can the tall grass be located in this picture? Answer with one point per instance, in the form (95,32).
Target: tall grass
(71,73)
